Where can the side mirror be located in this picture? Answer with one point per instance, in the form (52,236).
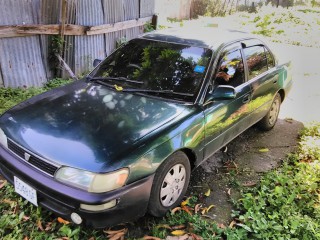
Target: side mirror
(96,62)
(223,92)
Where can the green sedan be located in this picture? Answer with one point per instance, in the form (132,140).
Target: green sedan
(123,141)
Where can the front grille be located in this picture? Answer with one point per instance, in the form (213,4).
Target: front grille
(34,160)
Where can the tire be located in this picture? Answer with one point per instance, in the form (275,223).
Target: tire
(269,121)
(170,184)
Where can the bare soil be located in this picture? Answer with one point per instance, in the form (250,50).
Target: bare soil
(247,158)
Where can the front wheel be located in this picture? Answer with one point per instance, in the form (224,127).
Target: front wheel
(268,122)
(170,184)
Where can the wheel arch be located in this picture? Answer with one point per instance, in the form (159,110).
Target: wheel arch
(282,94)
(191,156)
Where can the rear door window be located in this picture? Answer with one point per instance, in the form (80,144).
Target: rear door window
(256,59)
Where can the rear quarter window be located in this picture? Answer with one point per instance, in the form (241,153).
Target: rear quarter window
(270,59)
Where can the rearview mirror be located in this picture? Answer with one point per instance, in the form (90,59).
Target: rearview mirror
(223,92)
(96,62)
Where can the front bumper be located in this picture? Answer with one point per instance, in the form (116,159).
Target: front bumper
(132,199)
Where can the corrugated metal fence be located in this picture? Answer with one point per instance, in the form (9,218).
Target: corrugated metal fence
(25,61)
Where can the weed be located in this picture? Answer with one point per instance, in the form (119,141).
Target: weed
(12,96)
(148,27)
(287,203)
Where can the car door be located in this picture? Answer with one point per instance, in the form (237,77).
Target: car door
(223,117)
(262,76)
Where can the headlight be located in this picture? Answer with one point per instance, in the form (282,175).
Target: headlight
(92,182)
(3,139)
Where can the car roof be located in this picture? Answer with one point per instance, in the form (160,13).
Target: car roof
(207,37)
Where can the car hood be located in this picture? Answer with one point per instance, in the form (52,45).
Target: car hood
(86,125)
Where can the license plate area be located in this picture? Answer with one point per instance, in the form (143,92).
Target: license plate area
(25,190)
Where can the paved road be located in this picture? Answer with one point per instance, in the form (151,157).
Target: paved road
(303,102)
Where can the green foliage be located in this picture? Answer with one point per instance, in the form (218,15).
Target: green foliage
(121,41)
(12,96)
(56,47)
(286,205)
(148,27)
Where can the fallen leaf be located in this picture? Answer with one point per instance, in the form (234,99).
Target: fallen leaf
(186,209)
(178,232)
(25,238)
(151,238)
(197,207)
(113,232)
(25,218)
(163,226)
(232,224)
(117,236)
(207,193)
(210,217)
(173,211)
(178,227)
(263,150)
(61,220)
(211,206)
(229,192)
(39,225)
(186,202)
(8,201)
(221,225)
(16,209)
(204,210)
(48,226)
(184,237)
(249,184)
(3,184)
(195,236)
(289,120)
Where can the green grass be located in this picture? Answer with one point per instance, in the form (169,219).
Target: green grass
(297,26)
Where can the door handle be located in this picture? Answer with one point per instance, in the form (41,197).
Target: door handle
(246,98)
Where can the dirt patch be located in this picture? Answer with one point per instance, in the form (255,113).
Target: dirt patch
(247,158)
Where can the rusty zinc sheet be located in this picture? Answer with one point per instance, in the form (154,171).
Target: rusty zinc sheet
(88,48)
(49,13)
(147,8)
(20,58)
(116,11)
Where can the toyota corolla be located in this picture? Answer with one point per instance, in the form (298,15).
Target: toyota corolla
(123,141)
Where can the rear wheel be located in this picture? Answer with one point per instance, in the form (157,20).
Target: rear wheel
(170,184)
(268,122)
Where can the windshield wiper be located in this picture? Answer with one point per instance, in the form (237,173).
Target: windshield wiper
(114,78)
(157,91)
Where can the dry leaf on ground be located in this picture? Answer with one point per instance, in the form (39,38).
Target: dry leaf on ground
(151,238)
(207,193)
(263,150)
(3,183)
(39,225)
(61,220)
(178,232)
(173,211)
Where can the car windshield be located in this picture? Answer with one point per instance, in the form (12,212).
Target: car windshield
(156,68)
